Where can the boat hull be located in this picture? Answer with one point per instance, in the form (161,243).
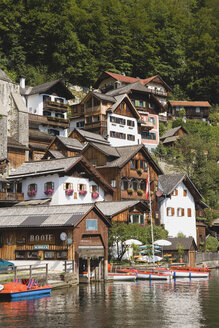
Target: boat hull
(26,293)
(151,276)
(189,274)
(121,277)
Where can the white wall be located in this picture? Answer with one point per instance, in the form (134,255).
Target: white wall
(119,128)
(175,224)
(34,104)
(59,197)
(57,266)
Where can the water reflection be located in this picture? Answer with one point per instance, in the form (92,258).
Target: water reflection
(180,303)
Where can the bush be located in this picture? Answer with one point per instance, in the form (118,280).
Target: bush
(211,244)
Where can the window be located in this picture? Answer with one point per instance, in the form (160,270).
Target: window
(180,211)
(151,120)
(124,185)
(46,113)
(175,192)
(20,254)
(137,103)
(82,187)
(113,183)
(112,134)
(46,98)
(68,186)
(130,123)
(62,255)
(112,119)
(148,135)
(91,225)
(122,136)
(130,137)
(53,132)
(96,118)
(80,124)
(136,218)
(59,115)
(59,100)
(134,164)
(170,211)
(89,119)
(104,102)
(189,212)
(49,185)
(32,254)
(197,110)
(32,186)
(120,120)
(49,255)
(94,188)
(151,105)
(177,108)
(184,193)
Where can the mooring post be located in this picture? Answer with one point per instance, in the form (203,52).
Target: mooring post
(47,271)
(30,271)
(15,272)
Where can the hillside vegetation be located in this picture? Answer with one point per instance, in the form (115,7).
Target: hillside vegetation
(78,39)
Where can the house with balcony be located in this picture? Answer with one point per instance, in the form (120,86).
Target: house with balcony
(10,192)
(177,197)
(196,110)
(126,169)
(62,181)
(47,106)
(113,117)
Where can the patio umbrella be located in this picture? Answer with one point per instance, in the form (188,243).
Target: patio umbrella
(162,242)
(130,242)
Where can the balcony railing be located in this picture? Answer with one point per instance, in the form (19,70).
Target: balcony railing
(52,105)
(10,196)
(55,121)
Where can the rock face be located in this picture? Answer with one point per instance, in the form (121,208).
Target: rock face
(13,115)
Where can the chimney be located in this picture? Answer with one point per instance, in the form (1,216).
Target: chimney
(22,82)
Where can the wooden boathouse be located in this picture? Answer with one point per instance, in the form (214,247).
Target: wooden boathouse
(54,234)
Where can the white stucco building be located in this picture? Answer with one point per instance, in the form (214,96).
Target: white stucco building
(177,198)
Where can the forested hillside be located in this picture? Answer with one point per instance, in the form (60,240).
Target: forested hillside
(78,39)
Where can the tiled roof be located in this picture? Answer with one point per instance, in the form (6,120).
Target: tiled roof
(92,137)
(186,243)
(103,96)
(56,154)
(35,134)
(42,216)
(128,79)
(110,209)
(71,143)
(170,139)
(106,149)
(170,133)
(136,86)
(190,103)
(168,182)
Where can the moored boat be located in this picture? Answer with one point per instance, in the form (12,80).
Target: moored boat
(149,275)
(23,288)
(191,269)
(183,272)
(122,276)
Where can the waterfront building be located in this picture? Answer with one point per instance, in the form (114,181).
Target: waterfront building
(177,204)
(62,181)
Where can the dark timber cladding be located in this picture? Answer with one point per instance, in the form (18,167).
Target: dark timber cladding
(32,233)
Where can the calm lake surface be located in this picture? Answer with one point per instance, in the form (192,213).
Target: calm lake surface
(180,303)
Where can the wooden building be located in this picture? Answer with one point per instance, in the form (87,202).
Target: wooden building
(56,233)
(16,153)
(10,192)
(63,147)
(198,110)
(38,144)
(170,137)
(125,169)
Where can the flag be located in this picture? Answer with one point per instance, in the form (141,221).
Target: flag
(147,189)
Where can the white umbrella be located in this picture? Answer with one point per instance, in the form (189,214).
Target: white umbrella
(162,242)
(132,241)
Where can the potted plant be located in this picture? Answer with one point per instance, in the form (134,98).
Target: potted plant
(130,191)
(180,250)
(31,193)
(139,171)
(48,192)
(82,192)
(140,192)
(69,192)
(95,195)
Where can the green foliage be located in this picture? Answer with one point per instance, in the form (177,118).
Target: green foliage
(121,232)
(79,39)
(211,244)
(181,235)
(180,250)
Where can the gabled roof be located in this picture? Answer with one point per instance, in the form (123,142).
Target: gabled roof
(121,98)
(189,103)
(58,166)
(45,87)
(70,143)
(168,182)
(127,79)
(54,154)
(105,149)
(125,155)
(38,135)
(110,209)
(45,216)
(90,136)
(186,243)
(171,132)
(136,86)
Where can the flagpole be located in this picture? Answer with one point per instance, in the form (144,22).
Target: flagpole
(152,233)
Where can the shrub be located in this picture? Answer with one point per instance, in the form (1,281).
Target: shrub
(211,244)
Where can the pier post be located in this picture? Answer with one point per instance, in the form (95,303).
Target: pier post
(47,271)
(30,271)
(88,269)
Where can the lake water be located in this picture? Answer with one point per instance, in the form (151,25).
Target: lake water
(180,303)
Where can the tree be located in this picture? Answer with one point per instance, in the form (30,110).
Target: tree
(211,244)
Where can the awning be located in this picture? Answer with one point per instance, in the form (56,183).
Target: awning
(90,251)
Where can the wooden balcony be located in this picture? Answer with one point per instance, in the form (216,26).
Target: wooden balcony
(94,125)
(52,105)
(52,121)
(11,197)
(133,195)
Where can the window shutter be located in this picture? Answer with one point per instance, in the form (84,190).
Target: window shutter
(85,187)
(64,186)
(183,211)
(176,192)
(91,189)
(172,211)
(78,186)
(189,212)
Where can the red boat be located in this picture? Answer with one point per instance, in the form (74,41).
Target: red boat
(23,288)
(190,269)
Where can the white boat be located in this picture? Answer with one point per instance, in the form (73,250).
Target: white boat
(153,276)
(189,274)
(122,276)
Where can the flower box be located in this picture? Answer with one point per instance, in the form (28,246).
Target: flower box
(130,191)
(48,192)
(139,171)
(31,193)
(82,192)
(95,195)
(69,192)
(140,192)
